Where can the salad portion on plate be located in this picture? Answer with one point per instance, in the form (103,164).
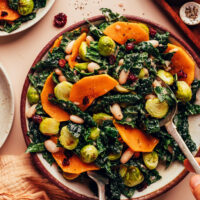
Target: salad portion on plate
(96,103)
(13,13)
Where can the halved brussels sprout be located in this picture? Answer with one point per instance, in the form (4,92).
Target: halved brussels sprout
(33,96)
(100,117)
(62,90)
(122,170)
(121,89)
(106,46)
(67,140)
(94,133)
(184,92)
(150,160)
(89,153)
(114,156)
(69,176)
(143,73)
(49,126)
(25,7)
(156,108)
(133,177)
(83,51)
(167,77)
(82,66)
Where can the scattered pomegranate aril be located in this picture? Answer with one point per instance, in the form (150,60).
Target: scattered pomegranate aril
(37,119)
(132,77)
(152,32)
(130,46)
(181,74)
(60,20)
(62,63)
(112,60)
(86,100)
(65,162)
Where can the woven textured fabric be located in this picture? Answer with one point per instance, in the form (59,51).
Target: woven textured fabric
(19,180)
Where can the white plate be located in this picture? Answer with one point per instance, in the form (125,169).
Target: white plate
(6,106)
(39,15)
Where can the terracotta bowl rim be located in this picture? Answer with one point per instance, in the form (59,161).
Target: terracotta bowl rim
(34,156)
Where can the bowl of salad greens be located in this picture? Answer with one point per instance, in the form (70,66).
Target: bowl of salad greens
(19,15)
(92,101)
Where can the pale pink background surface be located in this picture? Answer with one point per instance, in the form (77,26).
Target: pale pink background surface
(18,52)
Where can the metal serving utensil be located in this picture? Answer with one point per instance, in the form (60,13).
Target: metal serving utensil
(171,129)
(100,181)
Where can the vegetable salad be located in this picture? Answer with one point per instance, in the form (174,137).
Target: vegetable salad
(96,103)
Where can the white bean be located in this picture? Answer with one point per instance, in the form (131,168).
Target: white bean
(67,57)
(121,62)
(31,111)
(116,111)
(123,76)
(51,146)
(76,119)
(126,156)
(155,43)
(69,47)
(156,83)
(93,66)
(58,71)
(62,78)
(89,39)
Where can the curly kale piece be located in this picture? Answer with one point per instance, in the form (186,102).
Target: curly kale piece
(195,87)
(71,108)
(13,4)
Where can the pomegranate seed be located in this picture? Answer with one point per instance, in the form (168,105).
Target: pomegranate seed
(62,62)
(37,119)
(130,46)
(181,74)
(132,77)
(85,100)
(152,32)
(60,20)
(112,60)
(142,187)
(65,162)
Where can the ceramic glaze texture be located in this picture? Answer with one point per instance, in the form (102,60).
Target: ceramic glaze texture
(6,106)
(170,176)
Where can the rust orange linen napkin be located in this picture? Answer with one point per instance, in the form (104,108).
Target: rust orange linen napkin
(19,180)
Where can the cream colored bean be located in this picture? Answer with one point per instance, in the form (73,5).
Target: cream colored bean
(93,66)
(76,103)
(69,47)
(123,76)
(89,39)
(31,111)
(121,62)
(126,156)
(150,96)
(67,57)
(116,111)
(76,119)
(156,83)
(51,146)
(155,43)
(58,71)
(62,78)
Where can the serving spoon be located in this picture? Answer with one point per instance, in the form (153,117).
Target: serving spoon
(100,181)
(171,129)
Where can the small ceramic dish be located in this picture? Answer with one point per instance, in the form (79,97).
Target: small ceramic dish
(39,15)
(6,106)
(80,190)
(190,13)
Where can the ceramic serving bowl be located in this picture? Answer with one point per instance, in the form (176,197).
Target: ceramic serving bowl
(80,190)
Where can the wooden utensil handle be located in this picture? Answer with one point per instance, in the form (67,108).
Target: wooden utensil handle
(171,128)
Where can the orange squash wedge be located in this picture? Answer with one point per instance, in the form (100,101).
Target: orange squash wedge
(12,15)
(51,109)
(75,49)
(120,32)
(136,139)
(89,88)
(76,166)
(182,61)
(56,43)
